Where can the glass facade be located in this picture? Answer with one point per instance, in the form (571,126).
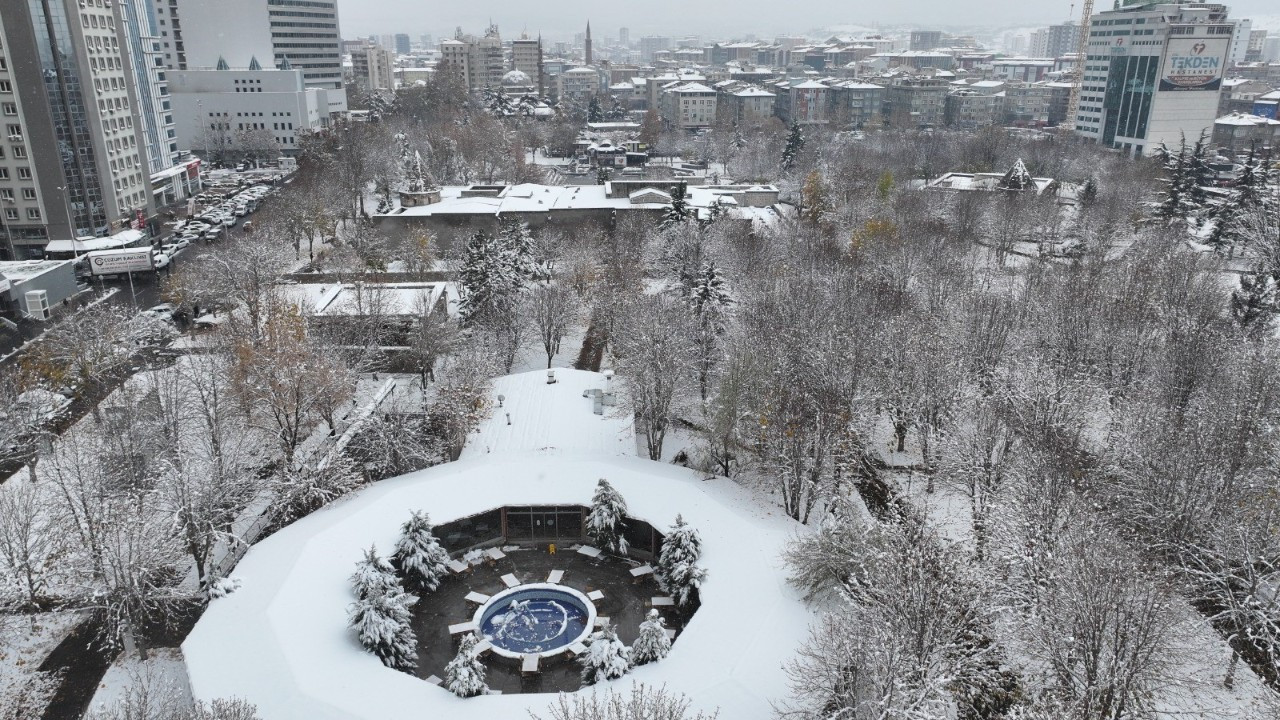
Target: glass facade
(544,523)
(1131,84)
(67,98)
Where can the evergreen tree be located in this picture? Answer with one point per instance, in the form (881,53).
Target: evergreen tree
(607,658)
(1017,179)
(464,675)
(795,143)
(652,644)
(1089,193)
(1232,216)
(678,572)
(1253,305)
(487,277)
(605,521)
(602,175)
(419,556)
(373,576)
(679,211)
(382,622)
(709,291)
(594,113)
(521,253)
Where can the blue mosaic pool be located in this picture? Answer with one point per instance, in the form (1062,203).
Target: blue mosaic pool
(535,619)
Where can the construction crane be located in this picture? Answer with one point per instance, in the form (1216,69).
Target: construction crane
(1077,73)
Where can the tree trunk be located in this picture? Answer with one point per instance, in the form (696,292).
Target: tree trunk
(1229,681)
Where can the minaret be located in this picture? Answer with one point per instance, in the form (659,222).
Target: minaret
(586,45)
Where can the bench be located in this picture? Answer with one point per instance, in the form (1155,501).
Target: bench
(555,576)
(481,648)
(602,620)
(671,633)
(510,580)
(494,554)
(459,567)
(641,572)
(662,601)
(462,628)
(589,551)
(435,680)
(595,596)
(578,649)
(529,664)
(493,692)
(477,597)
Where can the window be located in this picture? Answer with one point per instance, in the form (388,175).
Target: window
(4,173)
(9,108)
(33,213)
(11,213)
(24,173)
(28,193)
(14,132)
(20,152)
(6,86)
(6,194)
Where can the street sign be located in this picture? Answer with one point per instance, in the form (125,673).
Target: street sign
(114,262)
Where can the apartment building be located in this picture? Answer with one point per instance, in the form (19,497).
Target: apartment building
(688,106)
(373,67)
(479,60)
(72,148)
(526,56)
(1153,73)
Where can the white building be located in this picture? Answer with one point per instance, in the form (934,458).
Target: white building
(373,67)
(216,109)
(1153,74)
(689,106)
(480,61)
(578,85)
(294,34)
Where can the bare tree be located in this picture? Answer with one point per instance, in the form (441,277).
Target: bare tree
(30,541)
(642,703)
(654,358)
(552,308)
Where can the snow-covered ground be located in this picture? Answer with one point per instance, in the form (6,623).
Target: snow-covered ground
(25,641)
(161,679)
(282,642)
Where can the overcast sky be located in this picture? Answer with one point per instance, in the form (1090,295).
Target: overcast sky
(718,18)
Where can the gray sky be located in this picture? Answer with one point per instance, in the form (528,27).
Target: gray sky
(719,18)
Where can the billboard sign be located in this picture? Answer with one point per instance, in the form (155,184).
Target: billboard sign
(114,262)
(1194,64)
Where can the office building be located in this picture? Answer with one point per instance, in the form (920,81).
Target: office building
(72,147)
(1153,73)
(402,44)
(199,34)
(1055,41)
(926,39)
(526,56)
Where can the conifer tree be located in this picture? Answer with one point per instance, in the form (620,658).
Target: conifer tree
(373,575)
(607,658)
(652,644)
(419,556)
(605,521)
(464,675)
(679,211)
(678,572)
(795,144)
(382,622)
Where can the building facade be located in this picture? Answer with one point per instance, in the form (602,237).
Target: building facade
(690,106)
(373,67)
(1153,74)
(229,112)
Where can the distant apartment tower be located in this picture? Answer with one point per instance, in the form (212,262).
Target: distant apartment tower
(926,39)
(651,44)
(403,45)
(1257,43)
(480,61)
(624,37)
(74,156)
(526,56)
(1153,73)
(1055,41)
(373,67)
(297,34)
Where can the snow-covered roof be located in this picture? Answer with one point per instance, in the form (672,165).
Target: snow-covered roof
(692,88)
(124,238)
(810,85)
(282,643)
(1244,119)
(753,92)
(19,271)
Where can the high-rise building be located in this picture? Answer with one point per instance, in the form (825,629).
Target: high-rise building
(586,44)
(1256,43)
(526,56)
(402,44)
(1153,73)
(651,44)
(926,39)
(624,37)
(373,67)
(72,147)
(1055,41)
(197,34)
(479,60)
(142,37)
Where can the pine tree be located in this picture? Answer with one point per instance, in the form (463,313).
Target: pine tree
(709,291)
(419,556)
(1017,179)
(382,622)
(795,144)
(679,211)
(1253,305)
(520,252)
(652,644)
(464,675)
(594,113)
(607,658)
(1249,195)
(1089,192)
(488,276)
(373,576)
(817,206)
(678,572)
(602,175)
(605,521)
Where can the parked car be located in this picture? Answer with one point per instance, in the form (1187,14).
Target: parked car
(159,260)
(164,311)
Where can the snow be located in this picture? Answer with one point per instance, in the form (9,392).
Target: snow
(281,641)
(551,418)
(163,674)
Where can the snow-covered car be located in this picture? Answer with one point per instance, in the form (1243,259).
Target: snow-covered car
(182,242)
(241,210)
(164,311)
(170,249)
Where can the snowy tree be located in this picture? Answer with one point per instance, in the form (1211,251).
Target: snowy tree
(552,307)
(678,572)
(1017,179)
(464,675)
(381,619)
(1253,304)
(709,300)
(642,703)
(373,576)
(606,519)
(30,542)
(607,658)
(653,364)
(432,337)
(679,211)
(652,644)
(303,490)
(795,144)
(419,556)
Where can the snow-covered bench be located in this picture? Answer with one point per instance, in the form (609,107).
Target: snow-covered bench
(435,680)
(494,554)
(482,647)
(578,649)
(529,665)
(459,567)
(589,551)
(662,601)
(602,620)
(555,576)
(478,598)
(640,573)
(510,580)
(595,596)
(462,628)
